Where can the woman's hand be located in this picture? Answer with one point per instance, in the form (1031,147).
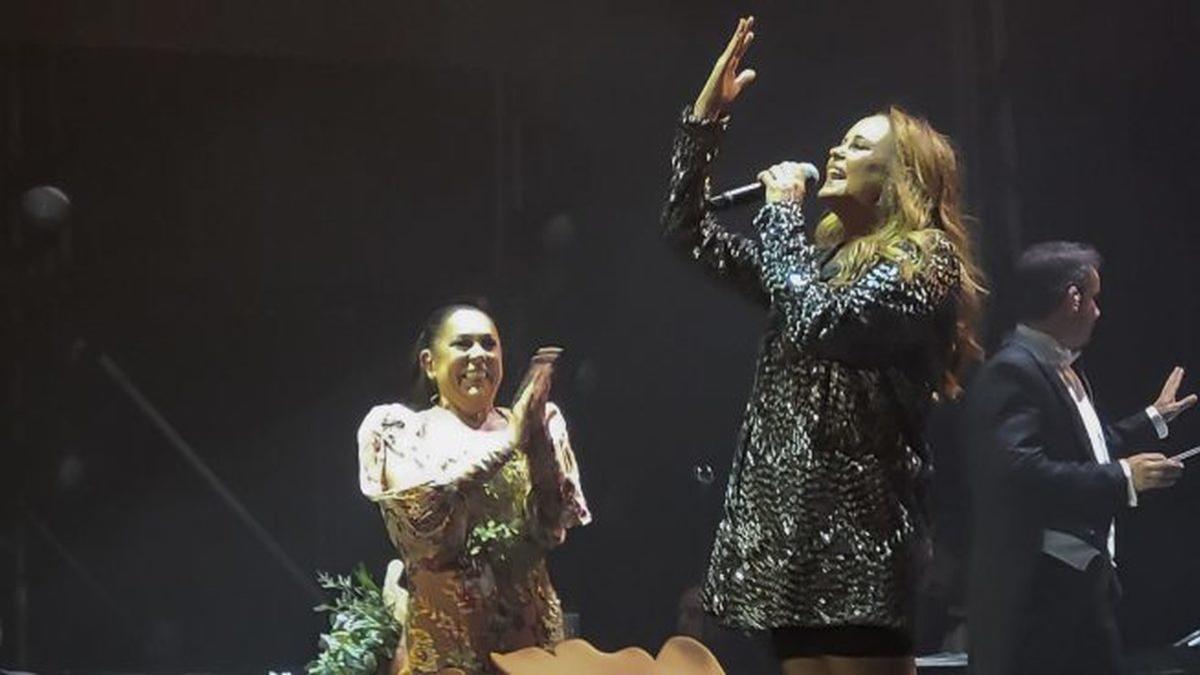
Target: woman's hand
(529,410)
(725,83)
(784,182)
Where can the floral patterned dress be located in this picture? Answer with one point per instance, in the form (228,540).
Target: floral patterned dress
(472,518)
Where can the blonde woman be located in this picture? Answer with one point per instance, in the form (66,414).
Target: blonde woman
(871,318)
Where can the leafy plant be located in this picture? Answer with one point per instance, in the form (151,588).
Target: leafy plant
(491,537)
(362,632)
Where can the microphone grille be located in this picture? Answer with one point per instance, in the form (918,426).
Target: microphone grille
(811,173)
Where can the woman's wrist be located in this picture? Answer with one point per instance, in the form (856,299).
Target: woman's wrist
(704,112)
(694,118)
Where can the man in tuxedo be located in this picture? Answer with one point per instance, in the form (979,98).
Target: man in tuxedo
(1046,482)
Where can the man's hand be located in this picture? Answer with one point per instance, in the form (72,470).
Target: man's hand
(1153,471)
(1167,405)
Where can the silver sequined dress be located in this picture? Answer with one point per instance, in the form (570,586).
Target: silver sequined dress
(821,524)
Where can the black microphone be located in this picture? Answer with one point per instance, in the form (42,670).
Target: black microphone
(754,191)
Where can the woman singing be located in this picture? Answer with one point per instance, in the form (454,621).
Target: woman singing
(473,497)
(871,317)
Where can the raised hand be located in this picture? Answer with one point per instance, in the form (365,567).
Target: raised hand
(724,82)
(1167,404)
(529,409)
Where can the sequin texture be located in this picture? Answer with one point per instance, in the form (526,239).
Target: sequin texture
(822,524)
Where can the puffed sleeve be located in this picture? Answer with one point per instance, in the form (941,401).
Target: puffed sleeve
(393,470)
(400,469)
(557,493)
(694,230)
(881,314)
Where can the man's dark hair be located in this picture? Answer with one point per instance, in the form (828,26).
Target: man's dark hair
(1045,271)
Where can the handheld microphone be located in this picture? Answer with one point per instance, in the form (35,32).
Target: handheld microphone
(754,191)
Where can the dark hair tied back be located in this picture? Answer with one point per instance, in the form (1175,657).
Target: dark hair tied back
(422,392)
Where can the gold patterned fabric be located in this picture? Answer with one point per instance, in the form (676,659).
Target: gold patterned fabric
(472,519)
(821,525)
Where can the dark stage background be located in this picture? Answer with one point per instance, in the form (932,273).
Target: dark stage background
(269,197)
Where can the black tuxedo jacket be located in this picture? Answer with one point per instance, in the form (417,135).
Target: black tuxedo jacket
(1032,468)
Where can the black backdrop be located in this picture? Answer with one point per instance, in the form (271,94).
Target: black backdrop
(268,200)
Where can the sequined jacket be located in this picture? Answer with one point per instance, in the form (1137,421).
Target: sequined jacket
(821,524)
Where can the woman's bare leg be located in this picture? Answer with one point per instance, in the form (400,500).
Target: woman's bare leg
(805,665)
(855,665)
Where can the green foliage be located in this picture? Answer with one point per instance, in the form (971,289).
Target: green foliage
(362,632)
(491,537)
(498,537)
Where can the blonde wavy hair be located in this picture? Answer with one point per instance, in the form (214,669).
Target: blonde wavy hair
(919,206)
